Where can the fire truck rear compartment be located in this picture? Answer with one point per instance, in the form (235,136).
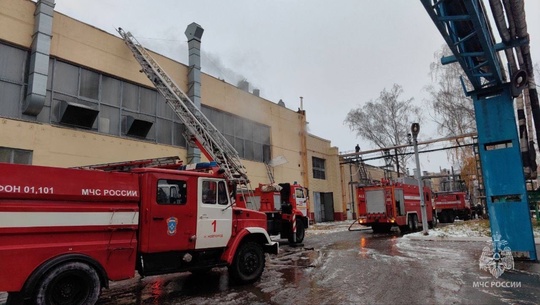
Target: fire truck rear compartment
(375,202)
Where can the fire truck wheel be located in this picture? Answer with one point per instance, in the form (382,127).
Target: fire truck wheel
(432,224)
(413,223)
(72,283)
(300,232)
(451,217)
(248,264)
(14,298)
(404,229)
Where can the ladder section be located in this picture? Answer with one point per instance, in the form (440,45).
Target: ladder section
(201,131)
(126,166)
(363,176)
(361,172)
(269,173)
(479,177)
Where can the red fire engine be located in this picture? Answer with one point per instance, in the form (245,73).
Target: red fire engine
(285,206)
(65,233)
(393,204)
(450,205)
(216,148)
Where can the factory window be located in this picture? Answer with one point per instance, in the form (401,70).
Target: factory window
(148,101)
(319,171)
(66,78)
(75,94)
(250,139)
(109,119)
(111,91)
(130,97)
(14,155)
(165,131)
(89,86)
(178,135)
(124,109)
(12,67)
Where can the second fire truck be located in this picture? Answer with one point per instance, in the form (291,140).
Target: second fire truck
(390,204)
(450,205)
(285,206)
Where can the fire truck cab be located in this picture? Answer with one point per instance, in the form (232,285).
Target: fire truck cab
(285,206)
(65,233)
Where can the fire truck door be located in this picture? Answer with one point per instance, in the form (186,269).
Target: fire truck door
(214,214)
(400,202)
(171,217)
(301,200)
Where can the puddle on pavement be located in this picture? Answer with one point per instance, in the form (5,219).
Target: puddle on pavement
(295,257)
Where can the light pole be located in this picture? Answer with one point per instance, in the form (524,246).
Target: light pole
(415,128)
(387,164)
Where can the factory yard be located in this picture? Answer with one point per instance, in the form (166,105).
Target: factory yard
(335,266)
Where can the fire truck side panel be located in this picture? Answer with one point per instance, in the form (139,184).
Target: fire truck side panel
(48,213)
(391,204)
(361,196)
(168,225)
(23,182)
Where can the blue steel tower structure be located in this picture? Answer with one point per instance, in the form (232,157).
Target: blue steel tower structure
(466,29)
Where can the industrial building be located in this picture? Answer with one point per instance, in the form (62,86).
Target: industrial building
(72,95)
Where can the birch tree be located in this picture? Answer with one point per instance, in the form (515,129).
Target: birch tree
(386,121)
(454,112)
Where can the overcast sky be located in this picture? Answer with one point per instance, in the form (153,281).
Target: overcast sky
(336,54)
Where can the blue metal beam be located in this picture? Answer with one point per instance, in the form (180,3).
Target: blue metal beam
(464,26)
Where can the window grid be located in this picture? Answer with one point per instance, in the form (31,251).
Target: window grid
(319,169)
(15,155)
(108,95)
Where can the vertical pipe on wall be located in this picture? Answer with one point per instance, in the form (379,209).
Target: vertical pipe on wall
(194,34)
(39,59)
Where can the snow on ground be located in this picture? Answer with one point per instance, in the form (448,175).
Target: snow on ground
(462,229)
(471,228)
(331,227)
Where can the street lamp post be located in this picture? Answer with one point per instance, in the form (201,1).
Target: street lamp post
(415,128)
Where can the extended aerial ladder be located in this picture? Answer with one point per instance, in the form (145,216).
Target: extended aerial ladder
(172,162)
(466,29)
(199,129)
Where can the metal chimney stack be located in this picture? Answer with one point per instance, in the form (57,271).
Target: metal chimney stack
(38,70)
(194,34)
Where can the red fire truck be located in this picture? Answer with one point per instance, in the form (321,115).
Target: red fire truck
(450,205)
(216,148)
(285,206)
(393,204)
(65,233)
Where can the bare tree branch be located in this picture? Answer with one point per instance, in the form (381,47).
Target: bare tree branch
(453,111)
(386,121)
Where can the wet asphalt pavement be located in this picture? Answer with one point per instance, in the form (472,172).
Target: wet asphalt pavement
(335,266)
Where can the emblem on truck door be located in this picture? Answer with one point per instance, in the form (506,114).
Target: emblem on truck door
(171,225)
